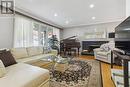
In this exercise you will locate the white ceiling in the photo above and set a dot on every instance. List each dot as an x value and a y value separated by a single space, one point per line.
77 12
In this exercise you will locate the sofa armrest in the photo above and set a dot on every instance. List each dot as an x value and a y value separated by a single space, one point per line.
109 52
54 52
97 49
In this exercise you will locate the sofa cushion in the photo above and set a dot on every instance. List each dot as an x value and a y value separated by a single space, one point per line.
40 49
118 72
32 51
2 69
7 58
33 59
24 75
119 81
117 76
19 52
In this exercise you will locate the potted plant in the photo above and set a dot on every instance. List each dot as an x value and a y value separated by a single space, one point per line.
54 43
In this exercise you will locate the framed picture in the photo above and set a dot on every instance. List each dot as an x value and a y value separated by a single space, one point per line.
7 7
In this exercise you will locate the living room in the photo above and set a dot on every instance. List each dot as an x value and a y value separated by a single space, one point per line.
83 43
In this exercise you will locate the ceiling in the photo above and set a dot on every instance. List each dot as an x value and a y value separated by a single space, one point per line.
70 13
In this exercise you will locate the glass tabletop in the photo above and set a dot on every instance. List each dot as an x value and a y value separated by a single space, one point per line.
56 59
49 58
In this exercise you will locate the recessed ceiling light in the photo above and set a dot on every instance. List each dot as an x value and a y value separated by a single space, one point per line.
91 5
67 22
93 18
55 15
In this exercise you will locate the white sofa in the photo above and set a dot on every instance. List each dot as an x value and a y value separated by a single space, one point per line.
102 55
32 55
104 52
23 74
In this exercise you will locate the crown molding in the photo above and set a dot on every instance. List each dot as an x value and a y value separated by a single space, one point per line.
35 17
84 25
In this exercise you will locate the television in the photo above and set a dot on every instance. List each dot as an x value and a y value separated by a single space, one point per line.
122 31
122 36
111 35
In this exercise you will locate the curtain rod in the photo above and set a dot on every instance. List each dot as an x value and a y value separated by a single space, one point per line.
36 19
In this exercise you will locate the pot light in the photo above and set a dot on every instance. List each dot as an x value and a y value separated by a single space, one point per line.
93 18
55 15
91 5
67 22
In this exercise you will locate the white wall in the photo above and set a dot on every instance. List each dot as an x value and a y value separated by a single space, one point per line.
6 32
127 8
80 31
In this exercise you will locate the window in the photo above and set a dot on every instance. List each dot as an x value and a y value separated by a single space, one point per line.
29 32
43 35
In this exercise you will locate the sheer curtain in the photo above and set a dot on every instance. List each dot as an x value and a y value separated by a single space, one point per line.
43 34
28 32
23 32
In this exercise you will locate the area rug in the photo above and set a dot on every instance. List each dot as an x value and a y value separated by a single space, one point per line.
80 73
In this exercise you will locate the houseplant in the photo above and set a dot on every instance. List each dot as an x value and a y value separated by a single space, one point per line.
54 43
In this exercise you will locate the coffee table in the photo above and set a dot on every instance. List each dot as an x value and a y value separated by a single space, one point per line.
48 62
61 64
56 63
49 58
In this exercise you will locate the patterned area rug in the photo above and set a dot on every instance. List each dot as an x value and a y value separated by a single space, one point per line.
80 73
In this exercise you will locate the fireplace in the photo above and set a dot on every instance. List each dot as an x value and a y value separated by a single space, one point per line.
88 46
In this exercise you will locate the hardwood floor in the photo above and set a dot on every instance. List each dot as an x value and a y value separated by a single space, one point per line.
106 72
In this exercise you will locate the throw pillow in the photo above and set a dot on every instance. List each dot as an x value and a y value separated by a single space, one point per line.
2 69
7 58
119 51
105 47
4 50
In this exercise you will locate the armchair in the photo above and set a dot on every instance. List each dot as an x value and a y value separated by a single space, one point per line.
102 55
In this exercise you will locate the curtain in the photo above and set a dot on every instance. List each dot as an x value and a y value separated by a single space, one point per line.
28 32
23 32
43 35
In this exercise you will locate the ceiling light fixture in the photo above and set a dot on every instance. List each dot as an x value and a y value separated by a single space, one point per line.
93 18
55 15
91 5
